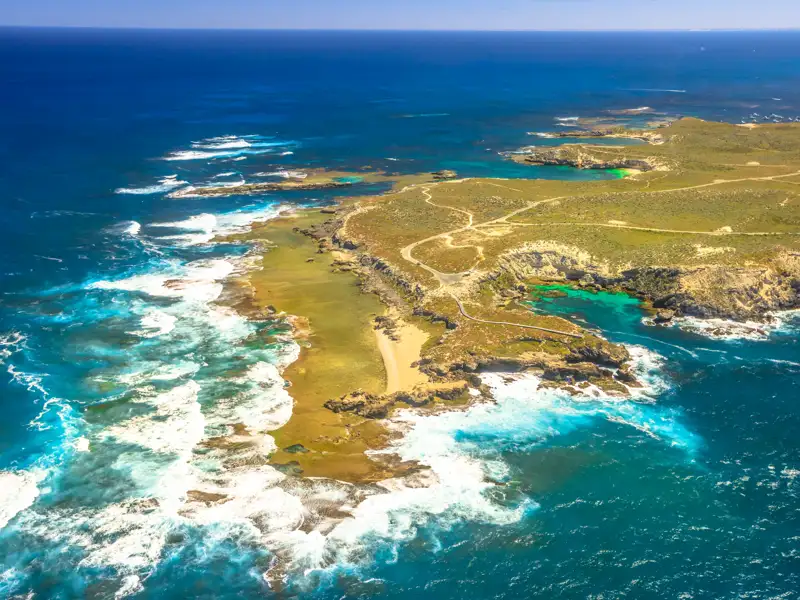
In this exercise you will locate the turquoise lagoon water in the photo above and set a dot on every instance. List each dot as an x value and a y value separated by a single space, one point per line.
121 361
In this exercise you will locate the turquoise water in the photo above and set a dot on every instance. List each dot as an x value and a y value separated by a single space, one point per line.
124 367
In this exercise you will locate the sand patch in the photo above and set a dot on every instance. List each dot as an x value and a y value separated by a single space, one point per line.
703 251
400 349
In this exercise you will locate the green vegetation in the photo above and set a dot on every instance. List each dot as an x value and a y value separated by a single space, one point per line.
711 228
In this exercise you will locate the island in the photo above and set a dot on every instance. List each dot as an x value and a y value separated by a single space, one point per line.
403 299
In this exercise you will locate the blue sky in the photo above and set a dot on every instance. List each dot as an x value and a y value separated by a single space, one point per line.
407 14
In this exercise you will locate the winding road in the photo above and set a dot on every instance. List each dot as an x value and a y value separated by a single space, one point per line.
449 279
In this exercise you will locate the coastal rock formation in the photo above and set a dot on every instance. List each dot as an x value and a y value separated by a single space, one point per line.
550 260
732 293
374 406
581 158
455 259
739 293
256 188
444 175
645 135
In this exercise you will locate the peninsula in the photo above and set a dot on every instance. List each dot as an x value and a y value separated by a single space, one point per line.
402 299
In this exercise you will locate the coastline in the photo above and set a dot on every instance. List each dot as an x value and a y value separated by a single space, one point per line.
156 336
411 322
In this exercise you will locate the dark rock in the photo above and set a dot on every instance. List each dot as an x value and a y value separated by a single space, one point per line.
450 394
664 316
444 174
474 381
362 404
297 449
599 352
573 373
290 468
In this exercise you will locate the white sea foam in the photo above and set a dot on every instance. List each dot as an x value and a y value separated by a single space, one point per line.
10 343
33 382
156 323
567 119
661 90
285 174
228 147
463 453
157 371
177 428
224 145
264 406
165 184
18 491
724 329
232 141
196 282
206 227
204 222
132 228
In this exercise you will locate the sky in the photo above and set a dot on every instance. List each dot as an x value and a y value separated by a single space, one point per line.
406 14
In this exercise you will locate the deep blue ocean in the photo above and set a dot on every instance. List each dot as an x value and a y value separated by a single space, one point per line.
119 358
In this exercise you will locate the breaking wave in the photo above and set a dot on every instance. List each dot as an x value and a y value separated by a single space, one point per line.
776 323
18 491
165 184
230 147
203 228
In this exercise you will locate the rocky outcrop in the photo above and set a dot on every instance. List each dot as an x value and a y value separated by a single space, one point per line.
664 316
579 158
256 188
737 293
598 352
444 175
651 137
551 260
591 361
728 292
374 406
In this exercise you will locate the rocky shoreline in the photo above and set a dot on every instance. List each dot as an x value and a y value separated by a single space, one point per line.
749 294
706 292
257 188
649 136
581 158
585 362
453 259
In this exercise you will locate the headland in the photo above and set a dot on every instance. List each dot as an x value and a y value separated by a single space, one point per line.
403 299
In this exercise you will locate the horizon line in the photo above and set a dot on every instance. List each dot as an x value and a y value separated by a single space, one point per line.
391 30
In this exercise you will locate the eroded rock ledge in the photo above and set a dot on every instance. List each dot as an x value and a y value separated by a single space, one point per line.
727 292
580 157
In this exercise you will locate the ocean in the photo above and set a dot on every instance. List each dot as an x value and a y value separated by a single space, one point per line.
119 358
